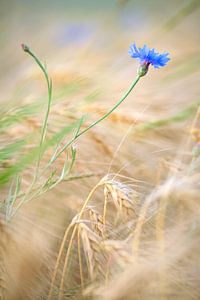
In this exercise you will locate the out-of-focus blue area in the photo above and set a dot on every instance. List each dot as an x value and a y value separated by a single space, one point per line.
75 33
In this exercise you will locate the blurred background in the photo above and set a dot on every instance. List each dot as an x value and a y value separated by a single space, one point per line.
83 36
84 45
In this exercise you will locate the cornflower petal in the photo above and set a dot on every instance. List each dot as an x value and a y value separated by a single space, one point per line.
147 56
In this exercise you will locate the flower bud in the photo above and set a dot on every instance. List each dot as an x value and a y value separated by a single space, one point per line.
143 69
25 48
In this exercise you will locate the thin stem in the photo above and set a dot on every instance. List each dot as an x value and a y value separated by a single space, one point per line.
58 261
99 120
80 259
44 127
49 87
114 107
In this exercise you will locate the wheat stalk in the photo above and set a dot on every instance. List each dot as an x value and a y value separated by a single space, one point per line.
72 238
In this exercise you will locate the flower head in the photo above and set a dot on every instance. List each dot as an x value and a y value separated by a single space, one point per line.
148 57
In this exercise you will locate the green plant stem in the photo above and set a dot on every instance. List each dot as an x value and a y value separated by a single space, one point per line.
99 120
49 87
44 126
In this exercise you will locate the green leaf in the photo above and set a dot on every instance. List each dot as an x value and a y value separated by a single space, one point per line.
10 150
28 158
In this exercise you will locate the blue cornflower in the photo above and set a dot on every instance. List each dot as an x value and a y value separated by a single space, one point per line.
148 57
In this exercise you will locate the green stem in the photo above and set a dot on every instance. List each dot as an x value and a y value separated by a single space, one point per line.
44 127
101 119
49 87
